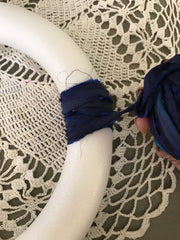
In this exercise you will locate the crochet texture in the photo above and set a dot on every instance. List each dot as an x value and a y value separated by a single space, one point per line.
123 40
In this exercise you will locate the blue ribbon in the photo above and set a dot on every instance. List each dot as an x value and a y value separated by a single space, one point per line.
160 100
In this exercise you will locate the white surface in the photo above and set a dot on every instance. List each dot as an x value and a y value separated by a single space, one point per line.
144 42
44 42
75 201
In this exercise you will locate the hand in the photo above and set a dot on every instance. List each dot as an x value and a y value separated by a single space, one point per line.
143 125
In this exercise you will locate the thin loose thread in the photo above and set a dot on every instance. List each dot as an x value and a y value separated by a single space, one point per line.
21 86
76 70
28 82
68 76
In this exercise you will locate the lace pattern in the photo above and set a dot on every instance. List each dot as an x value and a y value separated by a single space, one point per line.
123 40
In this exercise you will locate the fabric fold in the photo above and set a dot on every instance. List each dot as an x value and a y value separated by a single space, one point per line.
160 101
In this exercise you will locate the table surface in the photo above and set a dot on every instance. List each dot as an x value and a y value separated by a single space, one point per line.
167 225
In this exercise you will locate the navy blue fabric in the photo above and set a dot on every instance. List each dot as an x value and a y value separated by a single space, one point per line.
87 107
160 100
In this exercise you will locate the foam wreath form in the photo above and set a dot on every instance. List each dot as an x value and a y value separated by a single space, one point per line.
76 199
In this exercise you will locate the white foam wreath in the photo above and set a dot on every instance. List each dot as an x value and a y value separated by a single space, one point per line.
75 201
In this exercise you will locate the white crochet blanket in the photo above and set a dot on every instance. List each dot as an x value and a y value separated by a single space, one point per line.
123 40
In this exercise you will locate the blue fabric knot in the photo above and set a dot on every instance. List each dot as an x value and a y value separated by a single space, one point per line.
87 107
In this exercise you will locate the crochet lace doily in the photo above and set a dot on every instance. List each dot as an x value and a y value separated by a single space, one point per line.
123 39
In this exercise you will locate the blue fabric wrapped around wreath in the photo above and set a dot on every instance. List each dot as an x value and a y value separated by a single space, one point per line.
87 107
